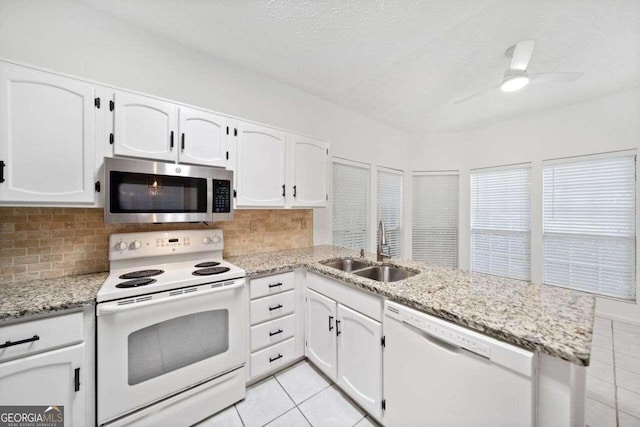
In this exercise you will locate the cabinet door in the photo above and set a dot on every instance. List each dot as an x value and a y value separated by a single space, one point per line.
144 127
261 166
47 379
47 137
308 172
360 358
321 332
202 138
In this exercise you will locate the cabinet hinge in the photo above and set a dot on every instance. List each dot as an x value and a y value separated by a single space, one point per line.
306 343
97 186
384 404
326 197
235 194
383 341
227 155
327 151
111 138
112 105
235 131
76 379
227 130
96 102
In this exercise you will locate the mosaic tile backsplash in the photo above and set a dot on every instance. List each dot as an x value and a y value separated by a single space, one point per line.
39 243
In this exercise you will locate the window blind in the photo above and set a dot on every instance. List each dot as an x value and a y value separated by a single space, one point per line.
589 209
350 199
435 219
501 222
390 187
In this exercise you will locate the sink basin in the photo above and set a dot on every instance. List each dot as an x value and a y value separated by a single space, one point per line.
385 273
347 264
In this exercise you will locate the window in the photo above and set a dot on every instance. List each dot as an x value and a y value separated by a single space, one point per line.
390 187
435 218
589 207
500 222
350 199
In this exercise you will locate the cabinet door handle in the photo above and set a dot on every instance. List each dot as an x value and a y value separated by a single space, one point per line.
331 323
284 191
2 165
275 285
76 379
279 331
24 341
272 359
338 332
295 190
182 142
275 307
171 141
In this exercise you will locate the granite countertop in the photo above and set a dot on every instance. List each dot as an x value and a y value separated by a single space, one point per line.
40 297
548 319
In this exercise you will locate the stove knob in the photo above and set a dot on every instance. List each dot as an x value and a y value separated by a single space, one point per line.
206 240
135 244
121 246
216 239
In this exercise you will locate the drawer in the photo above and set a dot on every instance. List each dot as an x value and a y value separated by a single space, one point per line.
272 357
273 332
272 307
263 286
41 335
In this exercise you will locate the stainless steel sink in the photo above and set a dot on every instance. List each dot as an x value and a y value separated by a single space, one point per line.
385 273
346 264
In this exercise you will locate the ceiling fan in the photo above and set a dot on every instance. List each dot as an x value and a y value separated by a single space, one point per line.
516 77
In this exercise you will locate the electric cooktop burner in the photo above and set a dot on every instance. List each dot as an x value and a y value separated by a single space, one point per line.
135 283
207 264
140 274
210 271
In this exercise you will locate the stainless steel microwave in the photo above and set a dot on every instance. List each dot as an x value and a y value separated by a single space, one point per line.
153 192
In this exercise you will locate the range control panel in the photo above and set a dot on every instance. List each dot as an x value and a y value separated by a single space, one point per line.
155 243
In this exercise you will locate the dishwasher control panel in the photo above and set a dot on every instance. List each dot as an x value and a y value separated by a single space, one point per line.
440 329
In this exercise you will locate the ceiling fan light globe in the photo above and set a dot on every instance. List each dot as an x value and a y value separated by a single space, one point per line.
515 83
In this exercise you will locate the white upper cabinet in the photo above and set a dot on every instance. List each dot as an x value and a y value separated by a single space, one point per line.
145 127
308 171
261 170
47 138
321 332
202 138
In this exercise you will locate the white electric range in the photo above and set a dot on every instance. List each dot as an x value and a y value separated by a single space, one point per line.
171 329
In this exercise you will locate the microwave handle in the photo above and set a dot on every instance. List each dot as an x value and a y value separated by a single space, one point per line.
113 309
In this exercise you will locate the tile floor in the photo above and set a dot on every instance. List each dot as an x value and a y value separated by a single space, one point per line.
613 378
298 396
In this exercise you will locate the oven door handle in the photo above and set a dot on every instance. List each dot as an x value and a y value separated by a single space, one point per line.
113 309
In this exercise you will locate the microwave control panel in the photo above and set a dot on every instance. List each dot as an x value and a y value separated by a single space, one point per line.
221 196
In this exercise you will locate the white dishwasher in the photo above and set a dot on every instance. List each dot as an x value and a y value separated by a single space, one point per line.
443 375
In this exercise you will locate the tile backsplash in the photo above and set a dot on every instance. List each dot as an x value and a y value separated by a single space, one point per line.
40 243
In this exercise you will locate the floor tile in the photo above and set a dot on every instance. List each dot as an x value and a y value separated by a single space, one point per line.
263 403
632 348
331 409
600 370
628 363
628 380
599 415
626 420
227 418
293 418
366 422
301 382
629 402
601 391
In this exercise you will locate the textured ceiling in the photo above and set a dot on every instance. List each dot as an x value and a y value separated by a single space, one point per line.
405 62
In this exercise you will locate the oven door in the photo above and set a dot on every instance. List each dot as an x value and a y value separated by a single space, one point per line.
153 346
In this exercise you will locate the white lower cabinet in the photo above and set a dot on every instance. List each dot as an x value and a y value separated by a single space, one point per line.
320 334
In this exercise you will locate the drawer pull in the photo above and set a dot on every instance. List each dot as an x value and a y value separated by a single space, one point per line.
331 323
273 359
275 285
275 307
279 331
12 343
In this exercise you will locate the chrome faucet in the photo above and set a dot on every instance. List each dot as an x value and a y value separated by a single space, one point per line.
383 248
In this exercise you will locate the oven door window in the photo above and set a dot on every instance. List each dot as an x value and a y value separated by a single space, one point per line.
175 343
149 193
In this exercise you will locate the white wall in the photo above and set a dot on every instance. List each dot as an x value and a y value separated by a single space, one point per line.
71 38
605 124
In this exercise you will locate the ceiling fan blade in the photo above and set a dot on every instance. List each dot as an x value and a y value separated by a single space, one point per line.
555 77
477 94
522 55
